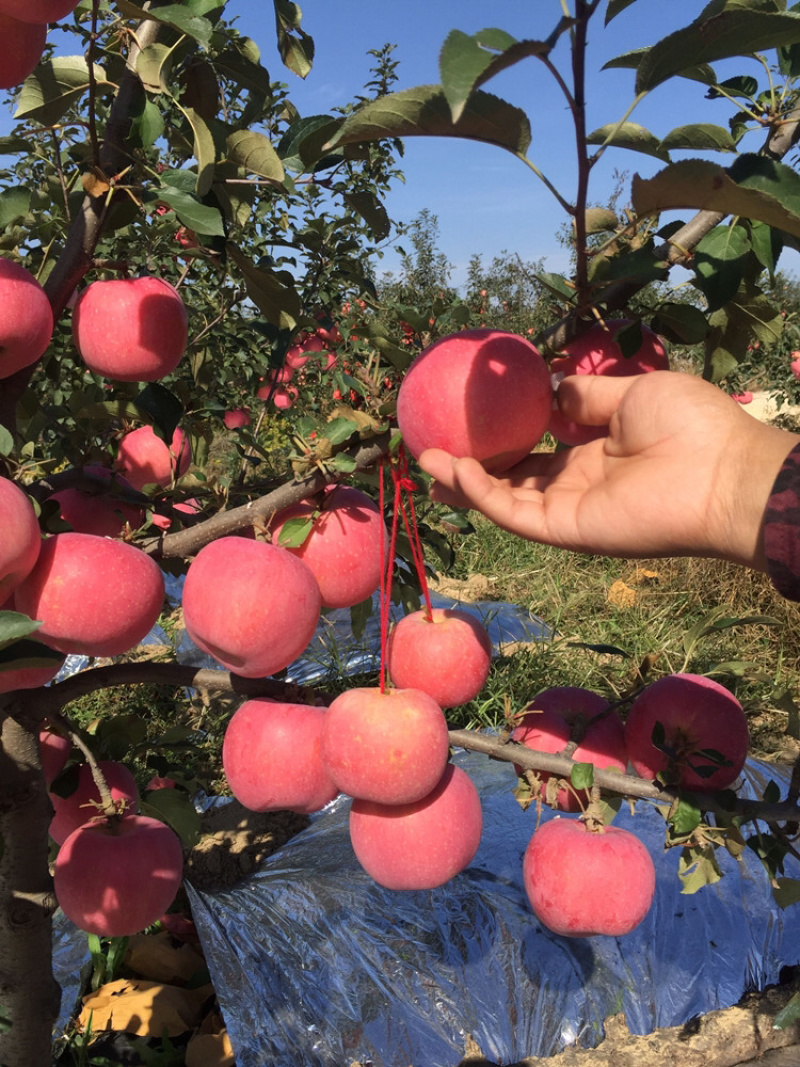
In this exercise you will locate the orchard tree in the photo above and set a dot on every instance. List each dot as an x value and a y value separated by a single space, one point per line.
157 160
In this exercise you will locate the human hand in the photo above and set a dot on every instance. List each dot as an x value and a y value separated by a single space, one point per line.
684 470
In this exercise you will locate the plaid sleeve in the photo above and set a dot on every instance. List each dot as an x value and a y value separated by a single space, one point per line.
782 528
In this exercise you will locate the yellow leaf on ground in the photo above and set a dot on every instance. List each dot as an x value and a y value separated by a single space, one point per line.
621 595
154 956
210 1050
146 1009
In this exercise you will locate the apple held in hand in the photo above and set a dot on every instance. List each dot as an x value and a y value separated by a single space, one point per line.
251 605
597 352
420 845
702 737
146 459
481 393
115 878
345 546
93 596
603 736
447 655
26 319
272 757
580 882
20 538
390 747
82 805
130 329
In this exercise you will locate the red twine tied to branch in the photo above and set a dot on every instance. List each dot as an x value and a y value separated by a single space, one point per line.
402 506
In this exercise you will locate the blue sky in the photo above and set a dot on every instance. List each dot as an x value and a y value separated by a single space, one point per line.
486 200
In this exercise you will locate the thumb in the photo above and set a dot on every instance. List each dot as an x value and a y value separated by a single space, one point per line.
591 399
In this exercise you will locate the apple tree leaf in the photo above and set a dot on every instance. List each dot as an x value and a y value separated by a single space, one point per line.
295 531
54 86
699 137
615 7
294 44
425 112
582 775
682 324
698 867
629 135
14 625
254 152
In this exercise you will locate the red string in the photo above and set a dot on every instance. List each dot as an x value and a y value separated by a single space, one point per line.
409 513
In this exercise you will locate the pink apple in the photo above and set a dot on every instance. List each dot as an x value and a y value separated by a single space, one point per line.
130 329
423 844
26 319
481 393
581 883
284 397
794 366
272 757
98 512
390 747
695 714
146 459
39 11
81 806
236 418
346 546
251 605
28 677
21 538
603 741
93 596
188 507
446 655
157 782
54 750
597 352
114 879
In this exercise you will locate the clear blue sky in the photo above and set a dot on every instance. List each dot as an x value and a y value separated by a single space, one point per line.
486 200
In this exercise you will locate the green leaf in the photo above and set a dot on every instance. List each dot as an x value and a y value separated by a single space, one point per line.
615 7
147 122
161 407
302 145
175 808
581 775
424 112
342 462
629 135
14 146
55 86
767 245
725 346
786 893
191 213
466 62
14 205
680 323
558 285
294 532
699 137
204 150
601 220
278 302
719 261
294 44
742 85
698 867
6 441
753 187
254 152
604 650
14 625
339 430
685 818
735 31
372 211
702 72
360 615
179 16
154 66
790 1012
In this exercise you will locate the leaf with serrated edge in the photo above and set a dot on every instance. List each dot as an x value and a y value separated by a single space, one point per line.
279 303
701 136
254 152
55 85
424 112
702 185
629 135
615 7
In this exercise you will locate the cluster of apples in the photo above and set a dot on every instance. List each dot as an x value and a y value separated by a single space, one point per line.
684 730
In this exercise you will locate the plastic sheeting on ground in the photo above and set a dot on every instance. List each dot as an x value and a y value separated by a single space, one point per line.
315 964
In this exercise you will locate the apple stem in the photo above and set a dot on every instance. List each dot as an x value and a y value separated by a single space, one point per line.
108 807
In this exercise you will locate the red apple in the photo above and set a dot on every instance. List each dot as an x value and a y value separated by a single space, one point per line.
28 677
98 512
597 352
146 459
157 782
236 418
26 319
54 750
21 538
695 714
603 742
115 879
191 506
446 655
581 883
481 393
390 747
251 605
39 11
81 806
346 545
272 757
420 845
130 329
93 596
284 397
